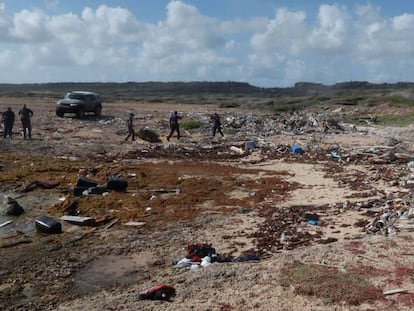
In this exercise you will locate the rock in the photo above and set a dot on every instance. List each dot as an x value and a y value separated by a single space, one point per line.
13 208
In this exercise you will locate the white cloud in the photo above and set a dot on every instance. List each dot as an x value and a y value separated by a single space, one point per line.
403 22
339 43
189 29
331 30
30 26
67 28
284 33
111 25
254 24
382 37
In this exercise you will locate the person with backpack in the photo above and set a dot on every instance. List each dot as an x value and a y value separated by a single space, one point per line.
25 115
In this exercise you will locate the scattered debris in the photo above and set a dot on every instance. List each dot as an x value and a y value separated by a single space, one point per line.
297 150
84 182
149 135
159 292
135 223
4 224
395 291
45 224
112 223
13 207
162 190
103 219
40 183
117 184
80 221
8 244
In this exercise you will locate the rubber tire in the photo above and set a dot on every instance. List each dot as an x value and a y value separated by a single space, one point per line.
81 113
60 114
98 111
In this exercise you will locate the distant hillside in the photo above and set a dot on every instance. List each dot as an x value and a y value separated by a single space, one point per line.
129 90
150 90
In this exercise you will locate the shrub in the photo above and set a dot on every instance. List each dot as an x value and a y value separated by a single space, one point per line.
229 105
191 124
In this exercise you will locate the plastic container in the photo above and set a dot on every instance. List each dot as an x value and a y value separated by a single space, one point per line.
117 183
78 191
86 182
45 224
249 145
295 149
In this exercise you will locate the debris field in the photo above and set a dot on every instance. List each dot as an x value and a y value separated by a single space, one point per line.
345 196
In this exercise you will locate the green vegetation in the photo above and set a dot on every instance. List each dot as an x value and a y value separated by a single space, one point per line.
329 284
191 124
400 101
396 120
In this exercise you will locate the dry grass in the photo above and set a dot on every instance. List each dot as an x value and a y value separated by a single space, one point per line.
319 281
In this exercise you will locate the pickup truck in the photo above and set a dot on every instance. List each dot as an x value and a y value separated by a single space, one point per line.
79 103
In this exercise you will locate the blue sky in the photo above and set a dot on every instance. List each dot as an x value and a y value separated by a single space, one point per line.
266 43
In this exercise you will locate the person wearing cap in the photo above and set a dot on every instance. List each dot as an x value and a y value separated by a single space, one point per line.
130 125
25 115
8 121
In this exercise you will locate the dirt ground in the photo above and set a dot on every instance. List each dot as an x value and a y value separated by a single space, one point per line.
252 207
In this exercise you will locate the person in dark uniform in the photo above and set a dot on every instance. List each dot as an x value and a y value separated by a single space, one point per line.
216 124
25 115
130 125
8 121
174 125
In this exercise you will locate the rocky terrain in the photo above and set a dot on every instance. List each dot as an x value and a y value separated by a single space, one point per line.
315 214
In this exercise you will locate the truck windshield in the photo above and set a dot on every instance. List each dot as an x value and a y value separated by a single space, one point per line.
75 96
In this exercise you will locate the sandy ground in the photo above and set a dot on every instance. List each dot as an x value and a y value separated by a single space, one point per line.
237 203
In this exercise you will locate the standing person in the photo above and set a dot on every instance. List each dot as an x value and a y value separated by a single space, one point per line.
8 120
25 115
130 125
174 125
217 124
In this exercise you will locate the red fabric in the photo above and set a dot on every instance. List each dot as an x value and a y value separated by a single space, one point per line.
195 259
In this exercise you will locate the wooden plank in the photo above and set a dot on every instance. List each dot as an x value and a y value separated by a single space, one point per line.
135 224
369 258
113 222
395 291
77 220
14 243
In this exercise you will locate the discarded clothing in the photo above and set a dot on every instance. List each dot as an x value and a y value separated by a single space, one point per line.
159 292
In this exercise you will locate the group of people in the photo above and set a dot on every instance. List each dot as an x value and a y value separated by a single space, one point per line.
174 125
8 118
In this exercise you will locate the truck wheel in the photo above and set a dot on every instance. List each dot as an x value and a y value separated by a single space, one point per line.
59 114
81 113
98 111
